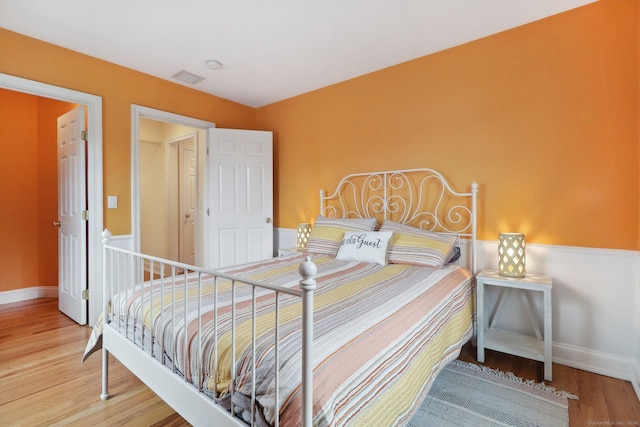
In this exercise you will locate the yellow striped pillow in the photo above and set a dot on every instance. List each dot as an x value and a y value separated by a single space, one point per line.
410 245
327 233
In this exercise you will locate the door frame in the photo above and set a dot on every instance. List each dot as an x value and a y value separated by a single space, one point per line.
93 104
137 112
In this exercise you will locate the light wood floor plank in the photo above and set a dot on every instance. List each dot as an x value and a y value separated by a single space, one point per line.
43 382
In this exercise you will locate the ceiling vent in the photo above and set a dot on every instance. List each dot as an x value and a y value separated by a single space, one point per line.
187 77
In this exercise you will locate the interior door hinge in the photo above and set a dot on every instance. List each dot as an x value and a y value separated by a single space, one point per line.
85 294
83 135
208 212
85 215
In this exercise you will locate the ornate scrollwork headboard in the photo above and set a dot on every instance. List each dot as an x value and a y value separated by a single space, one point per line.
418 197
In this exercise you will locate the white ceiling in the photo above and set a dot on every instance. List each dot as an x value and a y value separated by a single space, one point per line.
270 49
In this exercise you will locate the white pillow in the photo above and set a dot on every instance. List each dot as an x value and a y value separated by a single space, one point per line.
365 246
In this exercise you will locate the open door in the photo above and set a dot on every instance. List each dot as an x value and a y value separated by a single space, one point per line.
239 194
72 202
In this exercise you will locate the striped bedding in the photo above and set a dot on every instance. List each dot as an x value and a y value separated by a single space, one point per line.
381 333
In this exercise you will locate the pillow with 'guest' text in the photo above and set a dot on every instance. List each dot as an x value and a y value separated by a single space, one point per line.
365 246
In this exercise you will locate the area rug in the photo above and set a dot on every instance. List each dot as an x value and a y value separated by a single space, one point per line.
464 394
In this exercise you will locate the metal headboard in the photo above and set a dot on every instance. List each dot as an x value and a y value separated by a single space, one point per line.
418 197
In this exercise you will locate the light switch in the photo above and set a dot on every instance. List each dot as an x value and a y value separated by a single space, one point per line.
112 202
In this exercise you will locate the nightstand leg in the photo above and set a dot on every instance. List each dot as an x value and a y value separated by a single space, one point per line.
548 339
480 320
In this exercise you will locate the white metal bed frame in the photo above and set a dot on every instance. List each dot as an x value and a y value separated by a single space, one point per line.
398 195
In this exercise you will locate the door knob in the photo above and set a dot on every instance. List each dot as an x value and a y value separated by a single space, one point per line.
56 223
187 215
267 220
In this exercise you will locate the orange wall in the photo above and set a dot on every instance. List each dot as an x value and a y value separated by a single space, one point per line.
119 87
544 117
19 190
28 184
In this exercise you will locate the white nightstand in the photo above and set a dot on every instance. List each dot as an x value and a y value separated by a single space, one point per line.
532 347
288 251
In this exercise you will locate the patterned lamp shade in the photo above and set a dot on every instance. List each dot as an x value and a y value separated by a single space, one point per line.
304 231
511 255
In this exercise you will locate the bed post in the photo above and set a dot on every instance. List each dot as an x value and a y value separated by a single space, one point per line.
474 226
308 271
106 238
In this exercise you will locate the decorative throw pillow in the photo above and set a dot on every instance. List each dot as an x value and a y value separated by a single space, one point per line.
454 255
365 246
411 245
327 233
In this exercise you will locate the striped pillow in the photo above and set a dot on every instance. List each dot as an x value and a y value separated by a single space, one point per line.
410 245
327 233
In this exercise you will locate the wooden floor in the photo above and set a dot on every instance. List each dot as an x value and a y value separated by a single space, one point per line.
42 381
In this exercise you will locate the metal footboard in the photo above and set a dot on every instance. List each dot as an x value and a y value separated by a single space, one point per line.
160 284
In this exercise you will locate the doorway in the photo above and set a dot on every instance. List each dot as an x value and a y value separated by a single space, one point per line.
93 105
159 223
236 183
170 189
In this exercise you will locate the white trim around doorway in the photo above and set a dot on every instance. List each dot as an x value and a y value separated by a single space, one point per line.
94 173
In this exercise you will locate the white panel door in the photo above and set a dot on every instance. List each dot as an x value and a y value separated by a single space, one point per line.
188 195
239 197
72 234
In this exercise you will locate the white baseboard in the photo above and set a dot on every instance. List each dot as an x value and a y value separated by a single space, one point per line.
8 297
607 364
635 381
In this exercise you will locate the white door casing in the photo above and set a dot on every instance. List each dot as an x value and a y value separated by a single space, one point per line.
239 181
72 233
94 172
188 201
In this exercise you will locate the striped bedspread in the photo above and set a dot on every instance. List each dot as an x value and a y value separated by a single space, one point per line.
380 336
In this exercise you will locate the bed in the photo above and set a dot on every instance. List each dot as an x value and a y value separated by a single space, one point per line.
350 331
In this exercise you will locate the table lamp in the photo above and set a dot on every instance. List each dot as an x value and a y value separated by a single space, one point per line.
304 231
511 254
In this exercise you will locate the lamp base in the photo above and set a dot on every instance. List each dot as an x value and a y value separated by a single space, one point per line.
512 274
